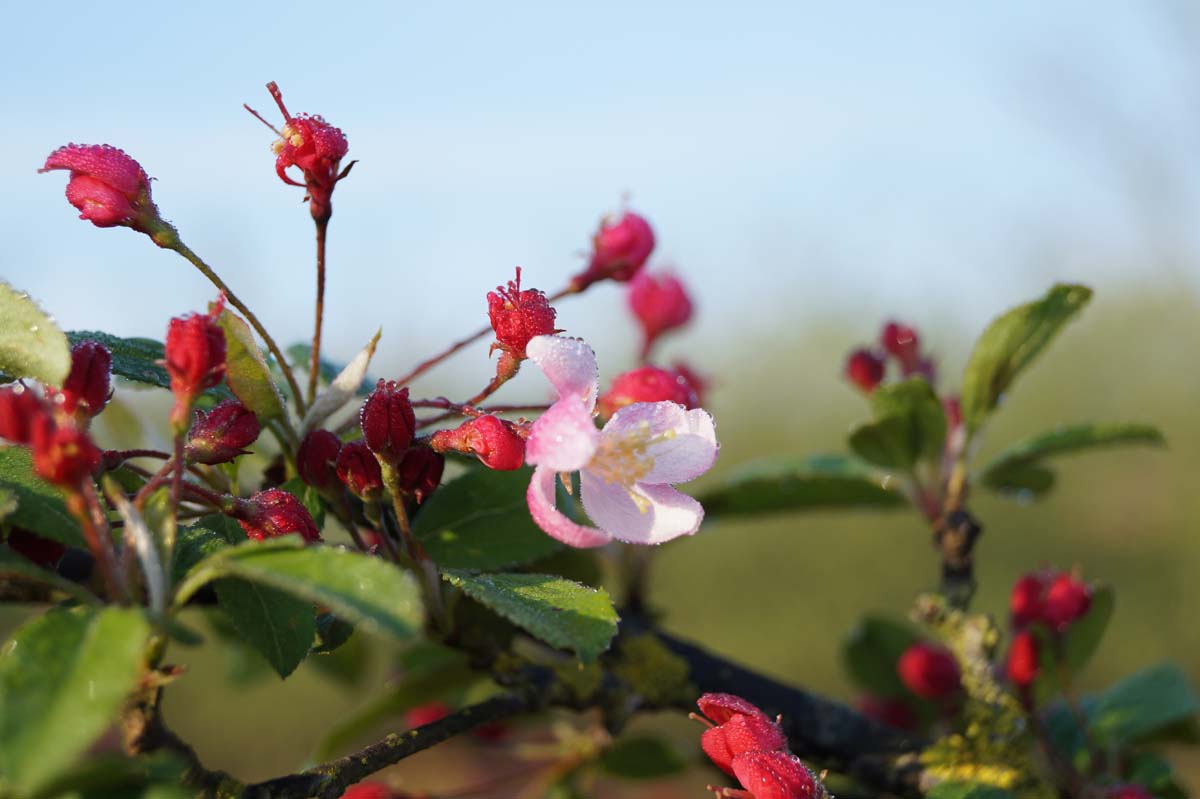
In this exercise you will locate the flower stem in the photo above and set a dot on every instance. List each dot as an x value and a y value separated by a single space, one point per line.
315 363
181 248
84 505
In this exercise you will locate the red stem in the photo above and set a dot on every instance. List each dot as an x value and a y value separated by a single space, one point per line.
314 368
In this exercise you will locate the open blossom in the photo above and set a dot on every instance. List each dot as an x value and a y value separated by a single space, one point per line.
517 316
313 146
107 186
736 727
626 470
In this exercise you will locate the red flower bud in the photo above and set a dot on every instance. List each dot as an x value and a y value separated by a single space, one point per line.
720 708
660 303
388 421
864 369
496 442
776 775
619 249
368 790
62 454
697 382
316 458
316 148
647 384
901 342
1128 791
359 471
195 358
518 316
222 434
892 712
1023 657
1067 599
88 384
108 187
19 407
274 513
427 713
1027 600
743 732
420 472
929 671
34 548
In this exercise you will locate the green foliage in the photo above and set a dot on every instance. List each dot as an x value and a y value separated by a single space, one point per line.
110 776
885 442
560 612
13 566
641 757
1082 638
1020 468
1142 705
774 485
1009 344
870 653
247 372
276 624
63 678
916 403
359 588
481 521
135 359
968 790
31 345
40 507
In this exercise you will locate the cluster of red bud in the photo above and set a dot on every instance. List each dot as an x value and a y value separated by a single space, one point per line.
866 367
748 745
1047 599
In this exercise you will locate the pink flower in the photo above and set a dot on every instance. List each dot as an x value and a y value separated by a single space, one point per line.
626 470
109 188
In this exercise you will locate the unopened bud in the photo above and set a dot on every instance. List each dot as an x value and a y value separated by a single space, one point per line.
494 441
274 513
420 472
89 383
388 421
62 454
359 471
660 303
619 249
929 671
647 384
864 369
222 434
316 458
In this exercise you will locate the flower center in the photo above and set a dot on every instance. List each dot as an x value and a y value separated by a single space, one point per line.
624 459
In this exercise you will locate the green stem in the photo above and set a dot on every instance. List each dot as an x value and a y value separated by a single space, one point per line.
314 368
181 248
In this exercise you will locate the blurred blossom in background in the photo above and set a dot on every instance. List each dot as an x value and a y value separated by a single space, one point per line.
810 169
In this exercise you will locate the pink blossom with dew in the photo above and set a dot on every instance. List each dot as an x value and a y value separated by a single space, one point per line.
626 470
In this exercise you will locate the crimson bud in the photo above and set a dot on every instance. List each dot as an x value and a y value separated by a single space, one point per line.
893 712
388 421
929 671
776 775
1128 791
222 434
19 407
1066 600
1026 602
195 358
427 713
864 369
63 455
368 790
496 442
647 384
901 342
619 249
743 732
316 458
1023 659
420 472
517 316
660 303
274 513
88 384
359 471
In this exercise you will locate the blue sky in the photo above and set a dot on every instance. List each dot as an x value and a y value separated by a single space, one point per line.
798 160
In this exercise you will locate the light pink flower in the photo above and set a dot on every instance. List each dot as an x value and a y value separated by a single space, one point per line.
626 470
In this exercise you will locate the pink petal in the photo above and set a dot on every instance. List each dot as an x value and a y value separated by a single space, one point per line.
540 497
569 364
102 162
688 440
564 438
660 514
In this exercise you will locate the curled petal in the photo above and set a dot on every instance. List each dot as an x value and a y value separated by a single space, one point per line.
98 202
641 513
102 162
547 516
564 438
569 364
683 443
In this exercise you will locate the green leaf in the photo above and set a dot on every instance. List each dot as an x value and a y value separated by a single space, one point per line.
113 776
13 566
560 612
246 370
1082 638
31 345
871 651
135 359
481 521
40 507
914 401
275 624
886 442
194 543
8 504
968 790
63 679
359 588
332 633
641 757
776 485
1009 344
1142 704
1019 467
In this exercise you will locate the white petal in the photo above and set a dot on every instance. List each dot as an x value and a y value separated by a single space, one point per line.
640 514
546 515
569 364
564 438
683 443
343 388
